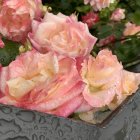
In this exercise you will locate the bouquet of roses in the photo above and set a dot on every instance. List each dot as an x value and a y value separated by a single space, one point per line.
55 63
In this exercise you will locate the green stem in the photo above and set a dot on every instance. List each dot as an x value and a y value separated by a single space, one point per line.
132 64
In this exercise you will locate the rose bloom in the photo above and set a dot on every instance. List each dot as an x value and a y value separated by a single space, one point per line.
131 29
98 5
42 82
130 84
16 17
63 35
26 71
106 81
90 19
118 14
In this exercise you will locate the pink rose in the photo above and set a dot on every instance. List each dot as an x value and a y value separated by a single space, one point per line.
63 35
90 19
118 14
62 96
106 81
102 77
131 29
16 17
28 70
98 5
130 84
43 82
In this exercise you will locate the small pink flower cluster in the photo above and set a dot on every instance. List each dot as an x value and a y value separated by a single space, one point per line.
90 19
118 14
98 5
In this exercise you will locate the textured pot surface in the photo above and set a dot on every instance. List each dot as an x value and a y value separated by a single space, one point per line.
19 124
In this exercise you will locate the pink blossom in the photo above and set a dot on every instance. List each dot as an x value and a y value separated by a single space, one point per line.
99 4
63 35
29 70
131 29
103 78
118 14
130 84
42 82
90 18
106 81
59 94
16 17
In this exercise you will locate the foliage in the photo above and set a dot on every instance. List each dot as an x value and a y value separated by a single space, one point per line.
9 52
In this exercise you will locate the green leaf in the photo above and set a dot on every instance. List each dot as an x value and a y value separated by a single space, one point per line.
105 14
138 2
118 29
9 52
104 31
128 51
83 8
110 28
113 6
135 17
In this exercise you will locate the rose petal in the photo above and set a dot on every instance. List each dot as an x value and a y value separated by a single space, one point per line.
51 104
68 108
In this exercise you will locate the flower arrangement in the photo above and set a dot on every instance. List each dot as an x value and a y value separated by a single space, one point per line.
70 61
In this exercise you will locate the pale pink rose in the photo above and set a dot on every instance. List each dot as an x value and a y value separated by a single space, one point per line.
42 82
63 95
130 84
106 81
131 29
26 72
118 14
63 35
16 17
99 4
102 77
